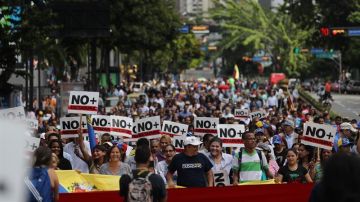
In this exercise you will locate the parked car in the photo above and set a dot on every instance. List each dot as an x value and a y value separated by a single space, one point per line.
353 87
335 87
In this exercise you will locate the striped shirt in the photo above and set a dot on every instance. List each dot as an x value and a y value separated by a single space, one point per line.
251 166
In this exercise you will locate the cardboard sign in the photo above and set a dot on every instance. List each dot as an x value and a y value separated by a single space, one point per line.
259 114
31 143
205 125
149 127
318 135
174 129
32 124
241 113
70 126
121 126
83 102
101 124
221 178
16 113
231 134
178 142
12 155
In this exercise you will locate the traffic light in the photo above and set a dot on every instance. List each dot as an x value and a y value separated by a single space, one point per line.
296 50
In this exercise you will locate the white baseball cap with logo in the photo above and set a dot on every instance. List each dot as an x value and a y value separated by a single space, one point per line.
192 141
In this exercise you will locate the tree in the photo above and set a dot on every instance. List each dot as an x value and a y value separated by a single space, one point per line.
248 26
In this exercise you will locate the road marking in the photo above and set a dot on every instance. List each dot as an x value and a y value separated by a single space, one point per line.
339 103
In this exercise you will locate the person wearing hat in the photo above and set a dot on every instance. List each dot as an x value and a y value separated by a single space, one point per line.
346 131
193 168
266 149
346 146
279 150
289 134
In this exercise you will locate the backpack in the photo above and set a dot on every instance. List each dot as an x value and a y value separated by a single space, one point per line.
140 188
260 157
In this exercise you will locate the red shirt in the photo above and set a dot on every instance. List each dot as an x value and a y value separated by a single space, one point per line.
328 87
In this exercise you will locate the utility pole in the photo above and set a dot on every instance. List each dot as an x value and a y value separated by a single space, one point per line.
340 70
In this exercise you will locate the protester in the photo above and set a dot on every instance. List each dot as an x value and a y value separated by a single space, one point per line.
250 164
316 172
142 184
306 156
162 166
57 148
165 140
293 172
279 150
98 159
43 181
273 166
222 162
206 143
289 134
193 168
114 166
79 149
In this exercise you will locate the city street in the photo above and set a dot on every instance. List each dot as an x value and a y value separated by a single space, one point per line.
345 105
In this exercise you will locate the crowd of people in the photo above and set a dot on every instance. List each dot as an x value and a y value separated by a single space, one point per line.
272 145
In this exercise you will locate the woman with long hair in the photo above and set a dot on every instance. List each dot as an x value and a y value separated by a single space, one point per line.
306 155
98 159
293 172
57 148
115 166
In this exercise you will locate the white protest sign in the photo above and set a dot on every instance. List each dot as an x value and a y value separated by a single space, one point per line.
14 167
231 134
221 178
31 143
83 102
178 142
205 125
149 127
70 126
32 123
16 113
121 126
101 124
241 113
318 135
174 129
259 114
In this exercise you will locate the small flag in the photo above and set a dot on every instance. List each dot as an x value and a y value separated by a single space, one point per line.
236 74
91 133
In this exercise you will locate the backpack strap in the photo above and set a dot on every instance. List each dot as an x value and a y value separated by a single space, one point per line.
261 159
240 158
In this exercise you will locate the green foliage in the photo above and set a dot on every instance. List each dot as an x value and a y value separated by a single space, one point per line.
247 24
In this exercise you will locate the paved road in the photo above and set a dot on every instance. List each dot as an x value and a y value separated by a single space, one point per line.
345 105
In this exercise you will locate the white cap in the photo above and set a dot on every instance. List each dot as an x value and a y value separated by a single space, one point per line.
347 126
192 141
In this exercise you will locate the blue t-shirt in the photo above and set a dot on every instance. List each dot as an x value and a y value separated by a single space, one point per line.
191 170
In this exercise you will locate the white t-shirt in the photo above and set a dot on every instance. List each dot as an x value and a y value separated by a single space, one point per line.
78 163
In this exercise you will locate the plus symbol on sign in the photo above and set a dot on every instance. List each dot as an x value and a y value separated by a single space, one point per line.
20 115
129 125
34 146
182 131
214 125
156 124
83 124
93 100
329 136
239 133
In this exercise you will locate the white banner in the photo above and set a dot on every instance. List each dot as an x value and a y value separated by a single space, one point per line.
174 129
16 113
318 135
221 178
205 125
121 126
178 142
231 134
149 127
31 143
32 124
101 124
70 126
241 113
260 114
83 102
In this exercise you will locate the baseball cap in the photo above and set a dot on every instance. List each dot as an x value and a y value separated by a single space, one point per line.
259 124
277 139
288 123
259 130
192 141
347 126
343 142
